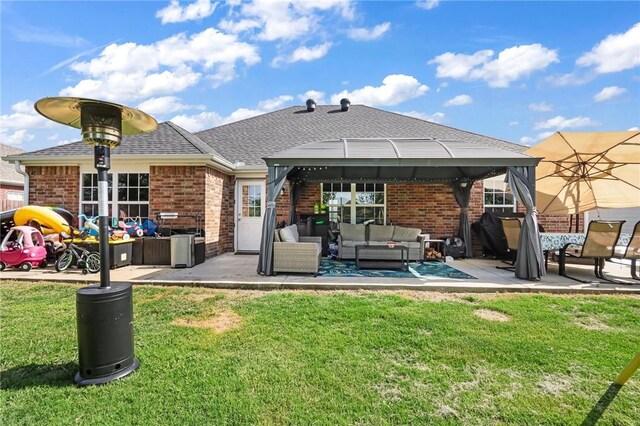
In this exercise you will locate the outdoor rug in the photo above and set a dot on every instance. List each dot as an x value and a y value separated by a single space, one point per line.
429 270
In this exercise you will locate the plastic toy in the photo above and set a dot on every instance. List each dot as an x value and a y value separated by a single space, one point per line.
51 222
132 226
23 248
89 224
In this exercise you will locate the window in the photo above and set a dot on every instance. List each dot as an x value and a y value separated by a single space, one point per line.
251 201
497 196
132 194
355 202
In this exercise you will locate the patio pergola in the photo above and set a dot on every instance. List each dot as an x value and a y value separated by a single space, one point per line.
407 160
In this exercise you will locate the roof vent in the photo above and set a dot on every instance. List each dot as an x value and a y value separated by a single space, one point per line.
344 104
311 105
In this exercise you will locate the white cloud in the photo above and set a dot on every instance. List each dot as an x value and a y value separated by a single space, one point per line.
570 79
609 92
395 89
316 95
67 141
175 13
511 64
274 103
526 140
128 71
364 34
427 4
514 123
164 105
236 27
437 117
209 119
617 52
24 116
16 138
559 122
635 128
304 54
47 36
459 100
541 107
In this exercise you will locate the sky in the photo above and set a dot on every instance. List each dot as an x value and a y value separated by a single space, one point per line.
517 71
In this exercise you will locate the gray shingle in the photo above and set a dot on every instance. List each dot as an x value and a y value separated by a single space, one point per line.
8 172
251 139
168 139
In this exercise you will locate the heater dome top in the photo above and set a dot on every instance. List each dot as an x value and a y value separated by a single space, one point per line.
67 111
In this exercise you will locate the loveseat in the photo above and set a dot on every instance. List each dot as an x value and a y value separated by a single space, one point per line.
295 253
379 235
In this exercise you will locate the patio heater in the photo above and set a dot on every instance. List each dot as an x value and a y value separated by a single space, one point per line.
104 313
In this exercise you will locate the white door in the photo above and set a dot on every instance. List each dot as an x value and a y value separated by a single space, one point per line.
250 205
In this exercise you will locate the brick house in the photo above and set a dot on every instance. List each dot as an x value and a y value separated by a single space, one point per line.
220 175
11 182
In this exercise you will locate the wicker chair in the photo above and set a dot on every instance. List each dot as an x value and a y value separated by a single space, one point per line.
302 257
511 227
599 244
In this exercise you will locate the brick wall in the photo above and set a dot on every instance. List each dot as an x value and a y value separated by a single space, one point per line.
54 186
193 190
430 207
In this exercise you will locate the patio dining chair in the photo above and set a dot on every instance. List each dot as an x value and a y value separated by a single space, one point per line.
599 244
632 251
511 227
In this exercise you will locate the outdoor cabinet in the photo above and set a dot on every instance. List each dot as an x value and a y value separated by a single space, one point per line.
200 251
157 251
119 251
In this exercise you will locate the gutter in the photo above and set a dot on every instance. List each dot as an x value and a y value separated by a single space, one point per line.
25 190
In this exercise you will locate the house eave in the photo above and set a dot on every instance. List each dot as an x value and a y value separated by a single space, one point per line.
214 161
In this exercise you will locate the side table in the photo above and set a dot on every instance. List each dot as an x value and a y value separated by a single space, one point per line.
439 246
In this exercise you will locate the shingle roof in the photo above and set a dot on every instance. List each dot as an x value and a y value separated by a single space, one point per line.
8 172
254 138
167 139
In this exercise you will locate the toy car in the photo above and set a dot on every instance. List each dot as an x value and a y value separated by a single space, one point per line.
23 247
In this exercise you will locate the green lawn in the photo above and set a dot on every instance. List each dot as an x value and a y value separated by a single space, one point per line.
331 358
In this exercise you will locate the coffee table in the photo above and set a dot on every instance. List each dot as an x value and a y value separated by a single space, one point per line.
385 252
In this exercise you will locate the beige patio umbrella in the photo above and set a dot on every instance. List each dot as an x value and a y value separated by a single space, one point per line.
583 171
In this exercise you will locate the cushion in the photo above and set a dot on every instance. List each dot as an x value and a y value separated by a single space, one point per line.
380 232
406 234
353 243
349 231
289 234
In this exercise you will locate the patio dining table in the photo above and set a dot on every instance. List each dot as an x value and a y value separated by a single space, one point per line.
552 241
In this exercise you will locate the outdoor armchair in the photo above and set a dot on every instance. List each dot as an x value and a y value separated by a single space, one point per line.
599 244
301 256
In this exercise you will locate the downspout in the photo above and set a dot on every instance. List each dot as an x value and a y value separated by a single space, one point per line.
25 189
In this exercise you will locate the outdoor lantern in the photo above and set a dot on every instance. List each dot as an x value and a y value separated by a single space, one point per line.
104 313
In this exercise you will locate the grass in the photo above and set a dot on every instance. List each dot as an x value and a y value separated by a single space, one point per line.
330 358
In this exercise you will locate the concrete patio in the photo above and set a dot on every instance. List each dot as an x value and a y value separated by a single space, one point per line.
239 272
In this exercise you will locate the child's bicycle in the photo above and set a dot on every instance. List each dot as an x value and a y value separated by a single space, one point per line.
84 259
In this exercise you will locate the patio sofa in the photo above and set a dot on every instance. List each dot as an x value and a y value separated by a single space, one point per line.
295 253
372 235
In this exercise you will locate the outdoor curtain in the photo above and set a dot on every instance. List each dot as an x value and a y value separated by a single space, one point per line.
277 177
463 196
530 260
295 190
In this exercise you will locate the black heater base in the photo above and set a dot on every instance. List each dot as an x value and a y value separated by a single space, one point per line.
105 334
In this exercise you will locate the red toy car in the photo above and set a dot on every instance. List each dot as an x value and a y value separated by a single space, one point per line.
23 247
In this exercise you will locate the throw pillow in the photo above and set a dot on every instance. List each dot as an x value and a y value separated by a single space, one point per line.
406 234
380 232
352 232
289 234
